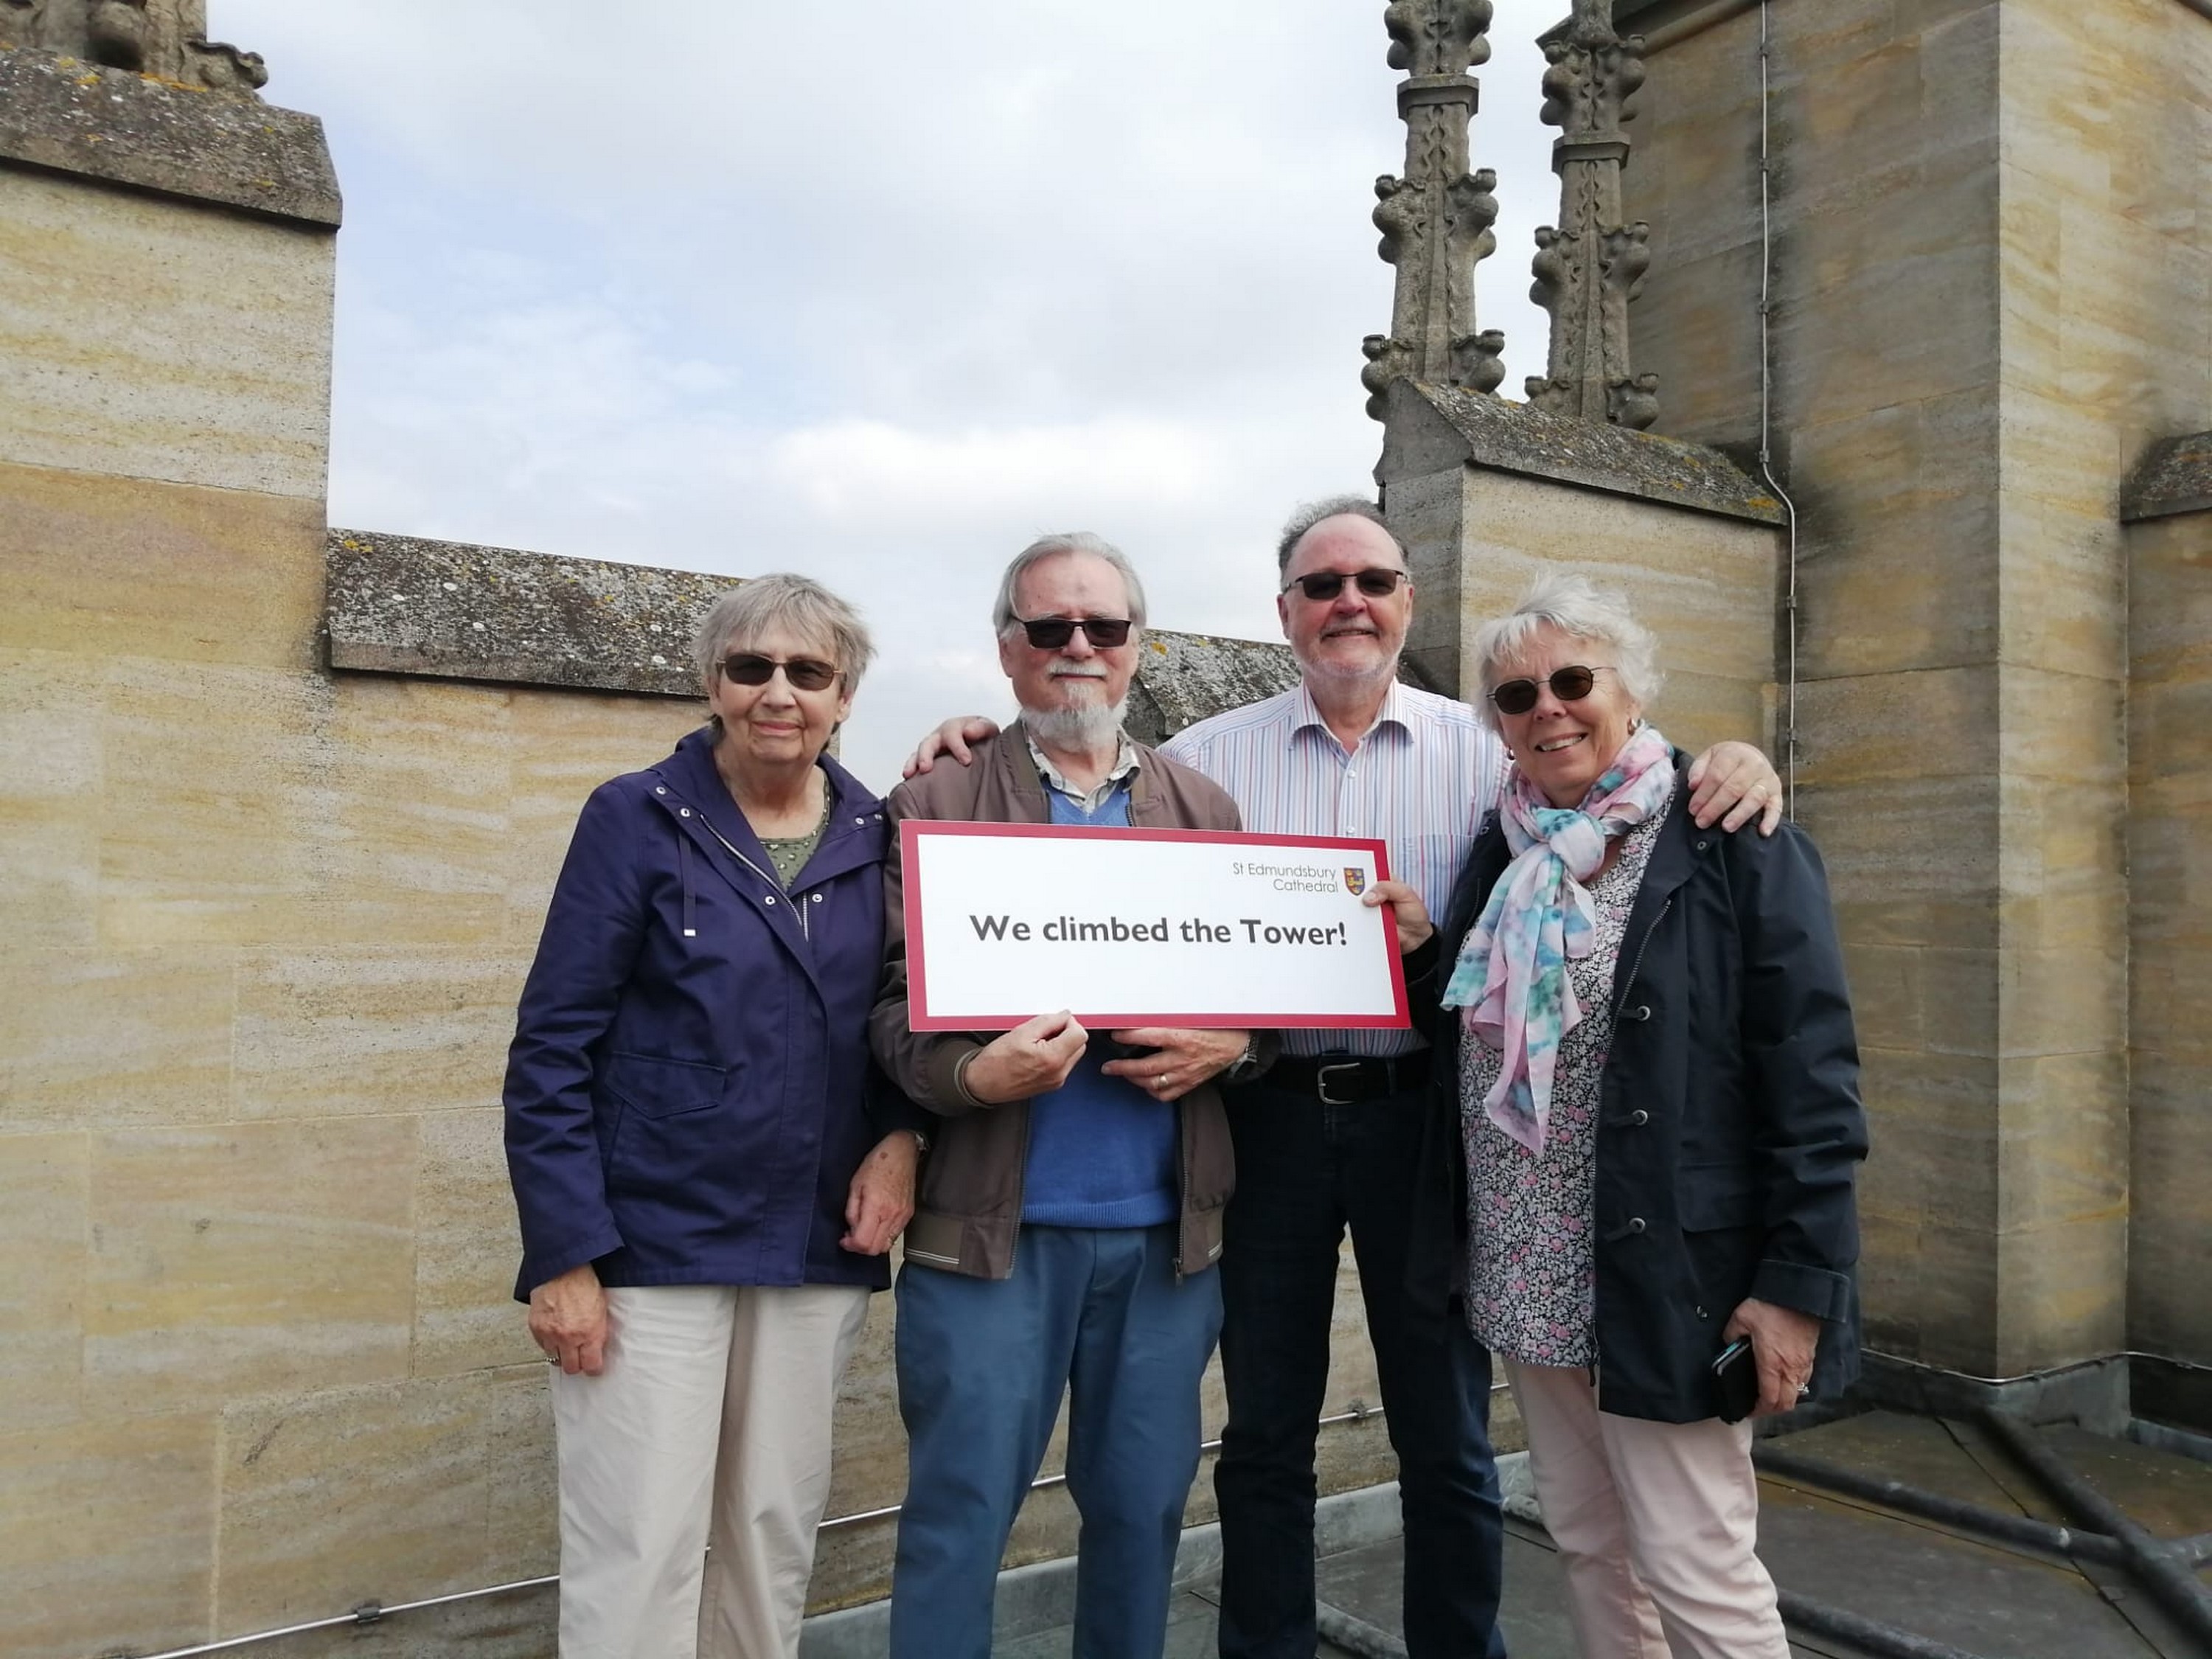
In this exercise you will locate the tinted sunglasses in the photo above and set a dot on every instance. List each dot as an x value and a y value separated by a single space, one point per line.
1569 684
1050 633
804 674
1327 583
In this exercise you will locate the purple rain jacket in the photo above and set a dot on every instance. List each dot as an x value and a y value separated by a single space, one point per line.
689 1092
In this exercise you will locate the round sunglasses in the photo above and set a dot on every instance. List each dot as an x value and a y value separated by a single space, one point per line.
804 674
1051 633
1569 684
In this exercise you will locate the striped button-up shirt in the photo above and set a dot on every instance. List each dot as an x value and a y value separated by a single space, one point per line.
1421 781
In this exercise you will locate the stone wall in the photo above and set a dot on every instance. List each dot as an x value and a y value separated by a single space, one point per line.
266 927
2170 908
1991 286
1487 494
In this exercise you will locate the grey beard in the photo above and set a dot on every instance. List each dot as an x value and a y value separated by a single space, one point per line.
1086 726
1379 675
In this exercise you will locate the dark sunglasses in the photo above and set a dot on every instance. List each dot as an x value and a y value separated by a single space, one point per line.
1327 583
804 674
1569 684
1050 633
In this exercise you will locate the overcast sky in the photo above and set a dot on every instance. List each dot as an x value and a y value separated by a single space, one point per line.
877 292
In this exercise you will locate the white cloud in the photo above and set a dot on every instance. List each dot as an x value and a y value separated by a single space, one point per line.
877 292
869 471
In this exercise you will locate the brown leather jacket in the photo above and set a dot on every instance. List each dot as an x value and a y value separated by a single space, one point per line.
969 1206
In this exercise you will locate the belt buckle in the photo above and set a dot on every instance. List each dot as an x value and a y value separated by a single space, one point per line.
1321 1080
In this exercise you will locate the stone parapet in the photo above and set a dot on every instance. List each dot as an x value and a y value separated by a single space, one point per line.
1433 429
401 605
2176 477
154 134
1183 678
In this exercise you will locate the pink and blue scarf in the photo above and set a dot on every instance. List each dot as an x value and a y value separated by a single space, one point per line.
1512 974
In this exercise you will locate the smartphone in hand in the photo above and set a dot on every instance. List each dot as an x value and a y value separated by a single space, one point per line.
1735 1378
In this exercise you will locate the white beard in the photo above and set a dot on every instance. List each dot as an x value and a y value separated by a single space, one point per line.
1085 727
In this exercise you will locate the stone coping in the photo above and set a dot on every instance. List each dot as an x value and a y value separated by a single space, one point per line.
1183 678
1428 426
73 116
403 605
2176 477
406 604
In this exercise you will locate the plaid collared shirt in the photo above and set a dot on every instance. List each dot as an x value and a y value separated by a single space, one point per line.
1124 766
1421 781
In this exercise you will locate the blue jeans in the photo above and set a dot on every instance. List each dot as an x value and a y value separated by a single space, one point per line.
1304 1173
981 1365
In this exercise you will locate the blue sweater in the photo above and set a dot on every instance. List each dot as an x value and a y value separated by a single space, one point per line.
1102 1150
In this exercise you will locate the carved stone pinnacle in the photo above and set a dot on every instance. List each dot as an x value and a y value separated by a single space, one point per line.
1436 219
165 38
1590 265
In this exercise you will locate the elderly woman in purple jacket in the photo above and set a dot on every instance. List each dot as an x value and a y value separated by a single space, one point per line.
706 1189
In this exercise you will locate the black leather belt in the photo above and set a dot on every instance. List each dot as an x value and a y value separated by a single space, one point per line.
1342 1080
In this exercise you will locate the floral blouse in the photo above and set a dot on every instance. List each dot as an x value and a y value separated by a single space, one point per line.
1531 1268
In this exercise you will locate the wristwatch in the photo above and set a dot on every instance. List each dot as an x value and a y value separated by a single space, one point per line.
921 1139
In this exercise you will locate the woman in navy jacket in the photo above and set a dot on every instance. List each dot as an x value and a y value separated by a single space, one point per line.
1646 1134
706 1197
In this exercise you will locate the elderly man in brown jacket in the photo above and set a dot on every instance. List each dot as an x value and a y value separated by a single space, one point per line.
1071 1197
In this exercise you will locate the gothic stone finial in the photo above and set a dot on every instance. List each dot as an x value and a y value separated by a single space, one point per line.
1590 265
1435 220
166 39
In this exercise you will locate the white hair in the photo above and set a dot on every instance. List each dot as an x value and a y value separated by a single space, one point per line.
799 604
1581 610
1003 621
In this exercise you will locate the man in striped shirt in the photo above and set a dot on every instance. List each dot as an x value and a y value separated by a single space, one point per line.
1330 1137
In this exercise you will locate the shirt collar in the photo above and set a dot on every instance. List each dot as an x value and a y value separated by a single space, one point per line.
1124 768
1304 714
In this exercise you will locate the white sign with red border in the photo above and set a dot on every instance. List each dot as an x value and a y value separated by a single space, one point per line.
1130 927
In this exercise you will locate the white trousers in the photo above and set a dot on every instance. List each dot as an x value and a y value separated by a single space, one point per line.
710 1423
1655 1522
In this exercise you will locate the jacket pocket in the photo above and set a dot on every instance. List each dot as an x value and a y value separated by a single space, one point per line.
1719 1210
1716 1199
664 1088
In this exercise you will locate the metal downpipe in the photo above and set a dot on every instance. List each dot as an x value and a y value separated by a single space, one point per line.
2157 1567
1936 1506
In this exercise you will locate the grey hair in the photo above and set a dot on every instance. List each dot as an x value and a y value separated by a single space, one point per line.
798 604
1581 611
1311 513
1003 620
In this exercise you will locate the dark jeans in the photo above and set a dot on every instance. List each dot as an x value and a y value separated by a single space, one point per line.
1304 1172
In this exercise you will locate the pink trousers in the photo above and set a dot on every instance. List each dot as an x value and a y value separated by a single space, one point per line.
1655 1522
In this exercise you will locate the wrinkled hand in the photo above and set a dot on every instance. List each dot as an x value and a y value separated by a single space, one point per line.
1032 1059
1414 927
953 738
1179 1060
1735 778
881 1199
1783 1341
569 1320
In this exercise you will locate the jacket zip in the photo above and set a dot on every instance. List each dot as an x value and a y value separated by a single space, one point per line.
1620 996
797 907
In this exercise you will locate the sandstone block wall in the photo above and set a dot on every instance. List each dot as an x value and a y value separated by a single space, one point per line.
1990 284
1488 494
266 928
2170 916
